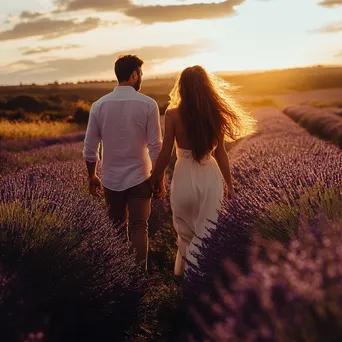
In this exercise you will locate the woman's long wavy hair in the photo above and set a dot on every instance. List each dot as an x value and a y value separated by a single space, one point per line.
208 110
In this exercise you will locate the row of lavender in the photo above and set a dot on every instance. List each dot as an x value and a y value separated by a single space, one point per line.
65 274
19 154
288 289
31 144
12 162
324 123
59 162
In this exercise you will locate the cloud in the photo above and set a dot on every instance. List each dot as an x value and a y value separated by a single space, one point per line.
153 14
23 16
40 50
331 28
62 69
22 62
96 5
49 28
30 15
172 13
330 3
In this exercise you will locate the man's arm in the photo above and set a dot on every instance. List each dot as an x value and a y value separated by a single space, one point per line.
91 151
154 140
91 167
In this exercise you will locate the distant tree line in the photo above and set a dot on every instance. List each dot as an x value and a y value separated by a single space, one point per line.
53 108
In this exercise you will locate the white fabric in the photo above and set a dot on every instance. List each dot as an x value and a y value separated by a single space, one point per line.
128 124
197 192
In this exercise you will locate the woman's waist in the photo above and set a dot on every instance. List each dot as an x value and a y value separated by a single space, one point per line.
188 154
191 168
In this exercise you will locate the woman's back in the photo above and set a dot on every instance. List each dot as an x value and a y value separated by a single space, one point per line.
181 136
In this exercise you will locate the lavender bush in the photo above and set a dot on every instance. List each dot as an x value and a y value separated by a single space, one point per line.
279 172
73 263
19 145
16 161
19 321
291 294
320 122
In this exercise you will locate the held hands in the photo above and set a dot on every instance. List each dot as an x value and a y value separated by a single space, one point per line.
157 187
95 186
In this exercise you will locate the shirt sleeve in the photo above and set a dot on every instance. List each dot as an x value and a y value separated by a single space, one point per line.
92 138
154 140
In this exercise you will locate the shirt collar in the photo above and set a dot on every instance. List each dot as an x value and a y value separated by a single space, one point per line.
121 88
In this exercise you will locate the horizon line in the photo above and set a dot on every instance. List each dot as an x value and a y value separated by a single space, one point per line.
174 74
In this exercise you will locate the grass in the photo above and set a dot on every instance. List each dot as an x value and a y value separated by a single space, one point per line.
33 130
278 215
62 154
320 104
162 310
264 102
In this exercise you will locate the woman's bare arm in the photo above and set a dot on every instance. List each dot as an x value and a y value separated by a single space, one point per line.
164 157
222 159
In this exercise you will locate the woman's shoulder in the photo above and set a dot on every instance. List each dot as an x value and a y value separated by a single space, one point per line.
172 112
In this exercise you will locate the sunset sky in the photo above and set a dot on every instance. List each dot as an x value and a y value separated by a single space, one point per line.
69 40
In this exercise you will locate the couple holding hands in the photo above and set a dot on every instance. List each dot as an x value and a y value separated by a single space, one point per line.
200 117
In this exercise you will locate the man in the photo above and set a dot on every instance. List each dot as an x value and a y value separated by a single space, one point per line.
128 125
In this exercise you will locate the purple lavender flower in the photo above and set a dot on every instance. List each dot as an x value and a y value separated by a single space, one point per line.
280 173
19 145
73 262
289 294
323 123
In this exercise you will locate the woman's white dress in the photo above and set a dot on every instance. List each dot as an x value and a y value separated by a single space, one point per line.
197 191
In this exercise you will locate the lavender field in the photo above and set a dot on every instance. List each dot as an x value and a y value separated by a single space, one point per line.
286 179
325 123
270 271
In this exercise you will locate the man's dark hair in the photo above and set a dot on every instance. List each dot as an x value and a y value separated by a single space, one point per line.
126 65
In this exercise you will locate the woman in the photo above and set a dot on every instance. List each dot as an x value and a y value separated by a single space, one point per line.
200 116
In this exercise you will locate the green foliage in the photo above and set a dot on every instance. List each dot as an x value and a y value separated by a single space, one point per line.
80 113
30 104
280 220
